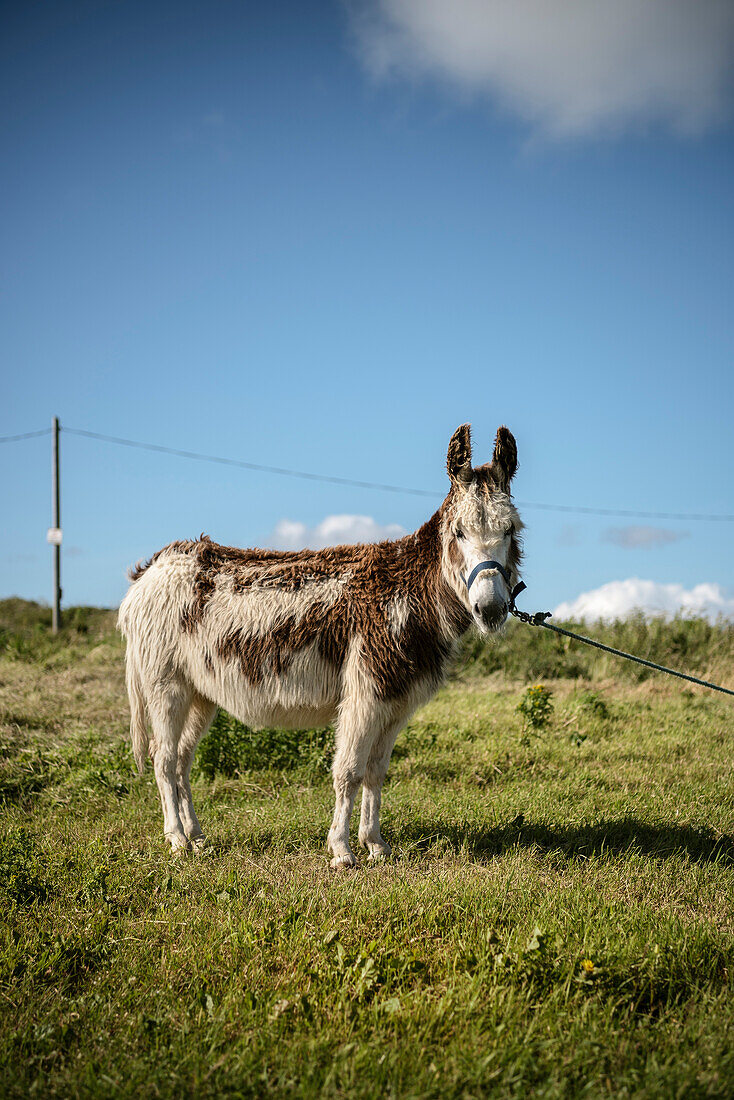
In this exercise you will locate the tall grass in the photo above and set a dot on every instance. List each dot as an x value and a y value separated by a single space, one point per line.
531 653
522 652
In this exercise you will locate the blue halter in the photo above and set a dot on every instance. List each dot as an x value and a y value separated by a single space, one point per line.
499 568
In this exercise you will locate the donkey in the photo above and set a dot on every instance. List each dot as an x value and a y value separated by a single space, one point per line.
356 635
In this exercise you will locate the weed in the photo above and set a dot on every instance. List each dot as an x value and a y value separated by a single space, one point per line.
592 704
536 707
21 879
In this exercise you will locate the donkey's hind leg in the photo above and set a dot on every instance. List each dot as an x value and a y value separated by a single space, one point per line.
198 720
168 706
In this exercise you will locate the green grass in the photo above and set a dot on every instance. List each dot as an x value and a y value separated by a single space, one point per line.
454 970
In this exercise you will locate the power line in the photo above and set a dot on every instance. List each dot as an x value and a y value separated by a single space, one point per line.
354 483
25 435
627 512
253 465
387 488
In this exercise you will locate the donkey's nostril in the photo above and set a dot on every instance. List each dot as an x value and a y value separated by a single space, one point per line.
492 616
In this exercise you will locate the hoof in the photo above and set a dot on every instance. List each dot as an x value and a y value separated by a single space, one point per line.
380 855
199 843
341 863
378 850
178 843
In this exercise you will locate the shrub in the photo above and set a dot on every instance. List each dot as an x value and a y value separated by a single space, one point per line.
231 748
25 629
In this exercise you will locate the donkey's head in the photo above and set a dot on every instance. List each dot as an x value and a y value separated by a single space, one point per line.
481 528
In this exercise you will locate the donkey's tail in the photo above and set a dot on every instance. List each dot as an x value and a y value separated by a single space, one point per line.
138 724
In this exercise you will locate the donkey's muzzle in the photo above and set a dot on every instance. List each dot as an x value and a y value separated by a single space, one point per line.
492 616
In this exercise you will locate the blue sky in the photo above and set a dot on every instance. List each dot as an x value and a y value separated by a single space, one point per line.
322 235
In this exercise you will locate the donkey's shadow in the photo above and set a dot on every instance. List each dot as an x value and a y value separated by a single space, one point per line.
614 836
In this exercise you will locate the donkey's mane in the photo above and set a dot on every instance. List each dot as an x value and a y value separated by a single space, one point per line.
290 569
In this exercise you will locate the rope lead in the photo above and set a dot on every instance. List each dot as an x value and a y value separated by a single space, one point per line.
538 619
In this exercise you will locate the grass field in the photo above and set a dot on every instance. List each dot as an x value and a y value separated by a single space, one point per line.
557 920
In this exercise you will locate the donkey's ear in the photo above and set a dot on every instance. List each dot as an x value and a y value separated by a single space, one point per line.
504 459
458 459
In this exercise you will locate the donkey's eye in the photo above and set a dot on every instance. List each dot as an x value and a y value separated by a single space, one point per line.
459 533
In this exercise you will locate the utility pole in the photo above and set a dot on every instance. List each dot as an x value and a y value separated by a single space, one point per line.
54 533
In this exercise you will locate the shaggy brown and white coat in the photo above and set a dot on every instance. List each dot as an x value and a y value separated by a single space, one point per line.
356 635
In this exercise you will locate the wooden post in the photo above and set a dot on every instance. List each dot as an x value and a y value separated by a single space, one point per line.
56 608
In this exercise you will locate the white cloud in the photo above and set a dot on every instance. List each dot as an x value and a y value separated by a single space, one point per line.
618 599
642 538
332 531
569 67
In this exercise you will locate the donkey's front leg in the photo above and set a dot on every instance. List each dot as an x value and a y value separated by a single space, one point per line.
370 836
345 787
353 742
